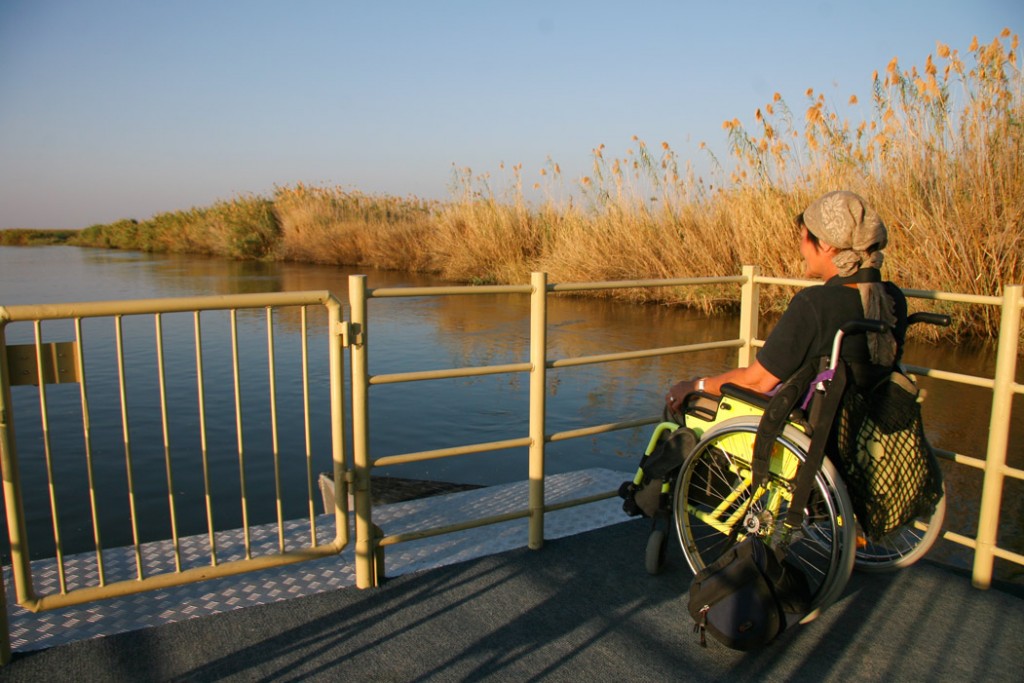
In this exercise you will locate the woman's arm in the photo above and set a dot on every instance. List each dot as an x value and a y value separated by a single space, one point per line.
752 377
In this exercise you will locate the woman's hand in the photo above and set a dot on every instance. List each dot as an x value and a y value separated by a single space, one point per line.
676 396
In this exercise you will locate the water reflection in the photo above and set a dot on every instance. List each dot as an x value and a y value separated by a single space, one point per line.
406 335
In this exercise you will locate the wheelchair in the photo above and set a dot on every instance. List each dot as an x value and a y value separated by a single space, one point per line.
711 501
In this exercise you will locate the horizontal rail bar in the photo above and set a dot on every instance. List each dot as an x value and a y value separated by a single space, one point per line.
785 281
960 539
645 353
950 376
392 292
1008 555
930 294
576 502
972 543
405 458
959 458
394 378
601 429
408 536
471 290
93 309
420 456
934 295
629 284
452 528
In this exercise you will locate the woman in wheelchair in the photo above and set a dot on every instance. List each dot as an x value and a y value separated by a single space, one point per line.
714 496
841 241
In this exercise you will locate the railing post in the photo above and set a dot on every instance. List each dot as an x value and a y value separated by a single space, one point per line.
12 495
336 324
750 295
366 574
998 436
538 396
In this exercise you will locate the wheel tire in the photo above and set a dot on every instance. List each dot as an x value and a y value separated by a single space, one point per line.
824 549
902 547
654 559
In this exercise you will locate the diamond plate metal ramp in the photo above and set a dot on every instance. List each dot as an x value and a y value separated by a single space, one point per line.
46 629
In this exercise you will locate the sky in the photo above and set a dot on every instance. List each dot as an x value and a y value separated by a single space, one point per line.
125 109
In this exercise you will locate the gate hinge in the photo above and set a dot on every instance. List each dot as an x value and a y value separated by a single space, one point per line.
351 334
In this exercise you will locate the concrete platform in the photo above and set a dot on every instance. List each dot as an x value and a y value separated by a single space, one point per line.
580 608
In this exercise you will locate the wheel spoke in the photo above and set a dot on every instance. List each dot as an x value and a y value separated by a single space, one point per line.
712 492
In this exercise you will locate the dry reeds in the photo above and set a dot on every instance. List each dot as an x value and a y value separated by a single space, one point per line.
940 156
330 225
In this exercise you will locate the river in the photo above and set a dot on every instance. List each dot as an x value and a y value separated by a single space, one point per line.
418 334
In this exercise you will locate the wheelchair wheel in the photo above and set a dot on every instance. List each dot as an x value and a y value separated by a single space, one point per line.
903 547
654 558
712 492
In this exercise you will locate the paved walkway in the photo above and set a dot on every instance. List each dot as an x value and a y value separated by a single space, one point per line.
582 608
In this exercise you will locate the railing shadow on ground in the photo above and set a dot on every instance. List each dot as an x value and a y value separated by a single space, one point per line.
583 609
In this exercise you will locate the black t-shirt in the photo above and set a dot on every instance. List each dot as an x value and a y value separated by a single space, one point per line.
808 327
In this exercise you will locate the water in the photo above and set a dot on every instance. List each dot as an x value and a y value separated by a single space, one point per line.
406 335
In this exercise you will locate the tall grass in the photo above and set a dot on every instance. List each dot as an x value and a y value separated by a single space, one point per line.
242 228
26 237
330 225
939 152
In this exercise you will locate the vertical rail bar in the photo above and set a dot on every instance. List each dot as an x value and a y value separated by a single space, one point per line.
201 388
272 370
16 520
335 339
87 437
999 436
538 398
161 377
13 502
48 457
303 331
366 573
750 306
240 433
122 381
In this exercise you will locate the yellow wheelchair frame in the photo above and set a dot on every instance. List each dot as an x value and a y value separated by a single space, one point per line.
729 510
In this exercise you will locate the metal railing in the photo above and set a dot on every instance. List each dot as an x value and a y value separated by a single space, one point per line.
49 361
41 363
370 540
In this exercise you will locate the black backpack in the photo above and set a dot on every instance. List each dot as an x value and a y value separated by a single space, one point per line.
747 596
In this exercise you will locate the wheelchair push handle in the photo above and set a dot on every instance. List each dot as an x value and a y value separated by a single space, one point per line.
940 319
857 326
877 326
852 327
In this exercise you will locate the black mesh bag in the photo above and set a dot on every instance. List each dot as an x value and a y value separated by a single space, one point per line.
890 470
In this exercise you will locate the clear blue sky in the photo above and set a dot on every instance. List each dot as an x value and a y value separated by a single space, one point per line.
125 109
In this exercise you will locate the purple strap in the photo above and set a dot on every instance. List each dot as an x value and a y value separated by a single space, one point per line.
824 376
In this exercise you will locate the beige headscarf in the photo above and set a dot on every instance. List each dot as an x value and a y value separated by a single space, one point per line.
845 221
